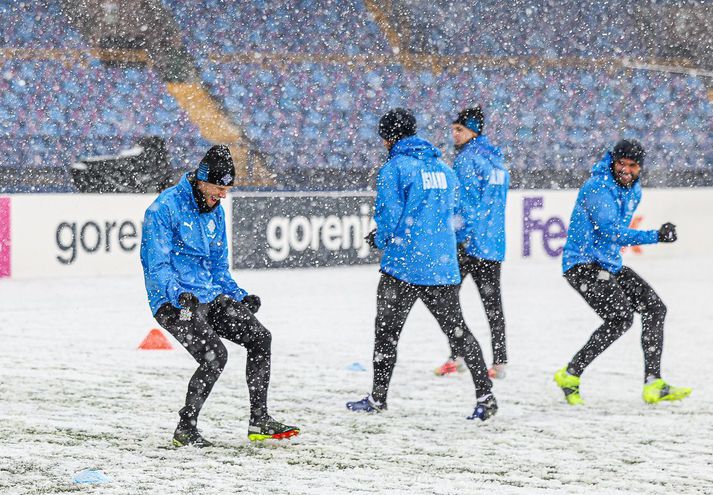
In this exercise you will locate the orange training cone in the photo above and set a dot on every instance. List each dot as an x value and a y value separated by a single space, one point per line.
155 341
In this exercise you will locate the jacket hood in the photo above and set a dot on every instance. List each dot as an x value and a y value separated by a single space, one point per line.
482 144
414 146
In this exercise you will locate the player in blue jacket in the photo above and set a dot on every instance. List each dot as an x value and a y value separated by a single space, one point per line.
184 253
592 265
416 199
484 184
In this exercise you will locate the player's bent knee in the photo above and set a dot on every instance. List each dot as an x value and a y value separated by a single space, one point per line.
657 308
260 339
462 339
217 357
624 321
265 338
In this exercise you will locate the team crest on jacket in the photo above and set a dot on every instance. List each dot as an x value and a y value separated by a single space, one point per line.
211 226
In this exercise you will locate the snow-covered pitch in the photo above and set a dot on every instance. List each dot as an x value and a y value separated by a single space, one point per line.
75 393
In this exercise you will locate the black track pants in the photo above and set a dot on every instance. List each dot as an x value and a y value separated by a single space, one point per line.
616 298
486 275
201 338
394 301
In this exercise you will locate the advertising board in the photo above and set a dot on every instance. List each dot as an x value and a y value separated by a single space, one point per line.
49 235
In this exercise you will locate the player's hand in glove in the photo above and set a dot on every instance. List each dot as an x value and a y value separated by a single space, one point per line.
252 302
371 239
224 301
189 304
667 233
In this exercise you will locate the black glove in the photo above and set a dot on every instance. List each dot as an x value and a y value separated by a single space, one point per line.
188 301
252 302
371 239
223 301
667 233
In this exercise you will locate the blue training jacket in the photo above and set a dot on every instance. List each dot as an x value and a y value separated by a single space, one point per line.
416 200
183 250
599 225
484 184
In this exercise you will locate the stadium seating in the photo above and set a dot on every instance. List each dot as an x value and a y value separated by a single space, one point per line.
321 114
50 113
36 24
539 28
283 26
324 115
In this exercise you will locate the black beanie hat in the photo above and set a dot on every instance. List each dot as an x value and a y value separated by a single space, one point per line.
472 118
217 167
629 148
396 124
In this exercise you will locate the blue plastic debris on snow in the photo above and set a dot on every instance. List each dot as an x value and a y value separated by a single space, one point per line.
91 476
356 367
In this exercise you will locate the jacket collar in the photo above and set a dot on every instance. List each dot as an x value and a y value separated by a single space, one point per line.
480 142
189 187
414 146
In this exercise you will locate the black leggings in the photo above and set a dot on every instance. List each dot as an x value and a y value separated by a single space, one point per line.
201 336
486 275
616 298
394 301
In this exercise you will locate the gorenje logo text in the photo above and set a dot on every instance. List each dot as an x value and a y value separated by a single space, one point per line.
92 236
286 234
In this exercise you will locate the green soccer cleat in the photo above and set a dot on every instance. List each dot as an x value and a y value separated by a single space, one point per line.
189 436
659 390
267 428
570 386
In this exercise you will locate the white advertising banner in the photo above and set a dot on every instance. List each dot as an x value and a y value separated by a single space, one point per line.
87 235
537 222
690 209
55 235
76 234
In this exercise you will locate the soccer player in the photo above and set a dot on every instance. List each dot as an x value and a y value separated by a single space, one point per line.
416 199
184 252
484 184
592 265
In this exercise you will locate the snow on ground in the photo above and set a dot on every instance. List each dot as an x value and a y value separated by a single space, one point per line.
75 393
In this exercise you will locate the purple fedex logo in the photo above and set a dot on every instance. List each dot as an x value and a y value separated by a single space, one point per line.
552 229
